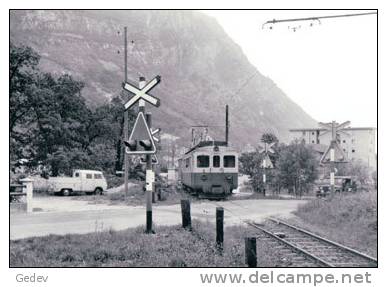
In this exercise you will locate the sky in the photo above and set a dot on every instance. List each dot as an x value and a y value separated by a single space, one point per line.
329 68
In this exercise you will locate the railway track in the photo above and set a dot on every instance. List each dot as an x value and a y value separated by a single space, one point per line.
308 249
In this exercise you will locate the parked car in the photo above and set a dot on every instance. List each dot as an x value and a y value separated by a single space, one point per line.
342 184
82 181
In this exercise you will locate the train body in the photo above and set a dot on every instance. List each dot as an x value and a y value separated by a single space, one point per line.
209 169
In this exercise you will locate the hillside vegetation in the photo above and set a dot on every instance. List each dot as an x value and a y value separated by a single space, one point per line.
199 64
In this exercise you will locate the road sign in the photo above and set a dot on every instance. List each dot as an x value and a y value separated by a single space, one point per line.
266 162
141 139
267 148
334 153
154 132
142 93
149 179
334 128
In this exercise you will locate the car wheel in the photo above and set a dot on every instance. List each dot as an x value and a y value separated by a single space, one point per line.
98 191
66 192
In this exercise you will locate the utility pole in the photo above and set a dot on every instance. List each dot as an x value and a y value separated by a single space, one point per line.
227 125
126 116
264 174
332 158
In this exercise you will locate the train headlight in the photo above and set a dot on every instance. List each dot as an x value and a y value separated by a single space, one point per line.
204 177
229 177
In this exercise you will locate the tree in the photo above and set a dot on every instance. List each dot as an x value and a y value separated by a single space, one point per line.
269 138
23 62
51 125
297 167
357 169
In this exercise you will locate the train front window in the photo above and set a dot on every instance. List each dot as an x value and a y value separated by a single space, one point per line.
203 161
229 161
216 161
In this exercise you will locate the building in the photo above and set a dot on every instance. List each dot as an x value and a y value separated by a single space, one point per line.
357 143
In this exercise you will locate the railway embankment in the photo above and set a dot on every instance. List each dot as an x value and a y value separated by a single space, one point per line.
350 219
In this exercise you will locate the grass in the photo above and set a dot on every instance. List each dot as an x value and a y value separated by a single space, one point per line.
350 219
169 247
136 196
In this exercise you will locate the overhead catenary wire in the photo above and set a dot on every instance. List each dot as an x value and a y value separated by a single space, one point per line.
316 18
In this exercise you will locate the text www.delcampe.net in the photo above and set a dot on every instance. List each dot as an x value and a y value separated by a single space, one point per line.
273 277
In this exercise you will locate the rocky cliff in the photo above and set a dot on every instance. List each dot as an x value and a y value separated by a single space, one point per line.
202 69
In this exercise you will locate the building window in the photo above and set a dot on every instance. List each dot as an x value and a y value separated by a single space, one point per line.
312 133
343 149
216 161
353 150
312 141
343 141
229 161
203 161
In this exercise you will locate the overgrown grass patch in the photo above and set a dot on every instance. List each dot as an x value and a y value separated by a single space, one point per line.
169 247
350 219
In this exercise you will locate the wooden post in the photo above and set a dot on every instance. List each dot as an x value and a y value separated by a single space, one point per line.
186 213
126 120
126 159
264 173
219 227
251 251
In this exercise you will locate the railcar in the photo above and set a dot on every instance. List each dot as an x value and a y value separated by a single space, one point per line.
209 169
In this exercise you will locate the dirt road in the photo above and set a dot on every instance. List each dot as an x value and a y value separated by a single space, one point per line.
85 219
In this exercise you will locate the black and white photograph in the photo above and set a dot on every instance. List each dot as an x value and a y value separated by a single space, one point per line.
193 138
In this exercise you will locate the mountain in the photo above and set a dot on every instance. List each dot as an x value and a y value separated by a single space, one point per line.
201 68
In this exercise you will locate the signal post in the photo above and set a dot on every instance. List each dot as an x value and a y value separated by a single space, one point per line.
334 154
142 139
266 162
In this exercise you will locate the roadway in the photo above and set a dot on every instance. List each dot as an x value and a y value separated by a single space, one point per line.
99 217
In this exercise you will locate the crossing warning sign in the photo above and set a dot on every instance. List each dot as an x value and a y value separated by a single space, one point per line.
141 139
334 153
266 162
142 93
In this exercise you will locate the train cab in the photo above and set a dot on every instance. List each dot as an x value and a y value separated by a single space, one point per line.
210 169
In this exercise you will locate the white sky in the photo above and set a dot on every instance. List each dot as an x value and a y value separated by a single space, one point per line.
330 70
